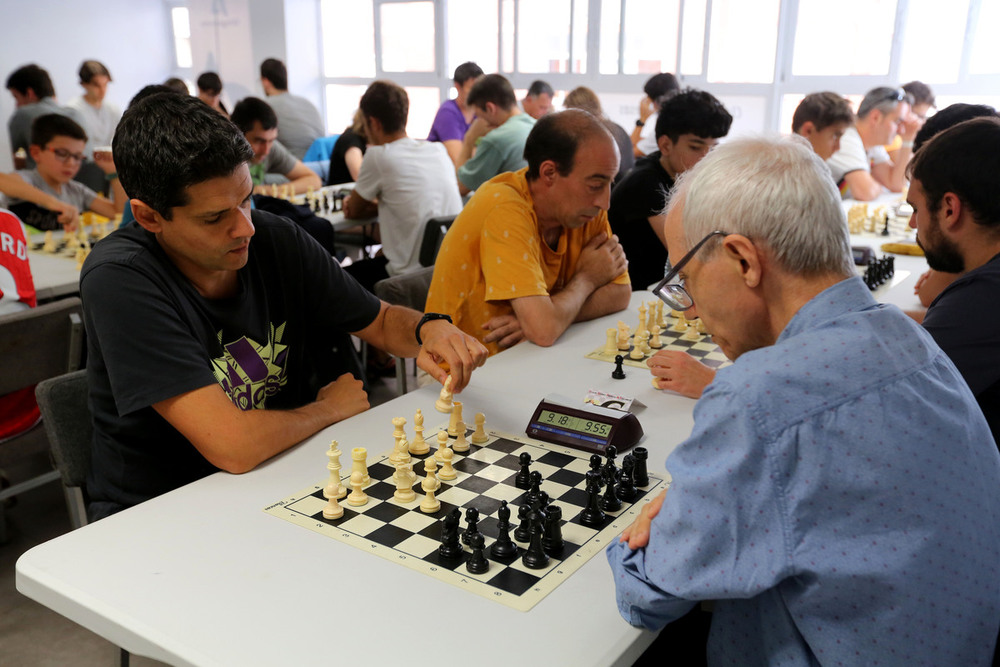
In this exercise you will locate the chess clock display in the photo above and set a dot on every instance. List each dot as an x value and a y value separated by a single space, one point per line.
591 428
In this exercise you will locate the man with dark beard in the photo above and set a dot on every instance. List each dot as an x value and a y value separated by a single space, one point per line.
956 213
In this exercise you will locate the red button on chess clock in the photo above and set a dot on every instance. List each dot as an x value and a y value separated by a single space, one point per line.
591 428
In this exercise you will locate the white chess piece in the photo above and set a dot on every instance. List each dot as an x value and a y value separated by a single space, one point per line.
358 497
430 504
447 471
611 344
359 456
442 446
404 483
419 445
461 444
331 492
443 403
456 417
398 432
479 436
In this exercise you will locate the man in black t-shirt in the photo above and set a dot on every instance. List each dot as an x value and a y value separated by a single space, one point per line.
956 213
208 351
689 125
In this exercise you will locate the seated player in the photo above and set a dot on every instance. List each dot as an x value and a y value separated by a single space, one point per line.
690 124
584 98
348 152
921 99
212 329
494 143
835 468
538 100
259 125
957 217
861 167
210 91
455 116
57 145
299 122
404 181
532 252
656 89
34 96
822 118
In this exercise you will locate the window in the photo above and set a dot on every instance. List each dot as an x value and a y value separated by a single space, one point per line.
407 37
742 39
182 36
854 37
348 38
341 103
651 36
693 37
933 40
543 36
985 56
473 34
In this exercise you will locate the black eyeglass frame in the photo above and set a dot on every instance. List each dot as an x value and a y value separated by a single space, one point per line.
674 294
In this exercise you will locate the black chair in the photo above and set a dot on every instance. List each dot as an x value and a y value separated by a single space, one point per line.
409 289
434 233
66 415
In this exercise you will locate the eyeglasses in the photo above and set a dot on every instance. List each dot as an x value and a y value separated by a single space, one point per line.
64 155
897 95
673 293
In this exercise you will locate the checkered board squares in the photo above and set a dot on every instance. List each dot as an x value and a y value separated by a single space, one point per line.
401 533
704 350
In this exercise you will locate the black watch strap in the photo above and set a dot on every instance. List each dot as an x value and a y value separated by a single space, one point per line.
427 318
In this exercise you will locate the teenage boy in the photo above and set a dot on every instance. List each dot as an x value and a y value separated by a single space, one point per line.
822 119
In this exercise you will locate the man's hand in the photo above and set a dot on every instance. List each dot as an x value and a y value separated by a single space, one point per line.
680 372
637 534
69 215
478 128
645 108
505 330
909 126
105 161
444 343
601 261
344 397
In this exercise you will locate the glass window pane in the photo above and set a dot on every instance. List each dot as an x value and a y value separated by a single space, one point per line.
611 23
749 113
854 38
926 24
543 36
182 36
985 56
424 103
651 28
473 34
742 41
348 52
507 34
341 103
693 37
407 37
580 14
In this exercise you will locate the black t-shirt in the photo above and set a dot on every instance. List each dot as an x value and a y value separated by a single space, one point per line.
641 194
152 336
338 168
965 322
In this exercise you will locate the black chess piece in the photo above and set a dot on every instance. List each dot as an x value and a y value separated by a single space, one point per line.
552 539
451 547
610 501
595 462
472 525
503 547
523 530
535 480
626 485
523 478
639 474
619 372
535 557
885 230
609 472
592 514
477 563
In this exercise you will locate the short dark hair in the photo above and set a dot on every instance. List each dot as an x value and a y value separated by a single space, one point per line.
466 71
153 89
46 128
921 92
210 82
91 68
965 160
191 142
34 77
557 137
387 102
274 71
493 88
252 110
693 112
539 87
659 85
177 84
822 110
949 117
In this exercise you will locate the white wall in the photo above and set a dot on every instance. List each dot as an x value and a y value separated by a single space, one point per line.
132 38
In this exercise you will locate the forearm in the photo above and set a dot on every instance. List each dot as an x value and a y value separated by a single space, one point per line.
396 333
467 150
305 182
610 298
544 318
897 175
118 195
357 208
16 187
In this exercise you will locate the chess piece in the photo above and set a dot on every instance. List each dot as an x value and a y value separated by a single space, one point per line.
644 343
654 339
334 467
442 446
641 330
552 539
610 501
523 530
535 557
430 480
534 484
451 547
404 483
472 524
626 485
477 563
660 322
623 336
398 433
639 474
619 372
691 334
503 547
331 492
443 403
50 243
700 325
359 456
453 421
358 497
479 436
611 345
447 471
637 342
430 504
461 444
596 462
419 446
523 478
681 324
592 515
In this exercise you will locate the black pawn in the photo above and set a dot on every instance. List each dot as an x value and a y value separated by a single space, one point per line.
533 487
592 515
472 527
523 530
595 462
535 557
552 539
523 478
503 547
626 486
619 372
477 563
885 230
639 475
451 547
609 465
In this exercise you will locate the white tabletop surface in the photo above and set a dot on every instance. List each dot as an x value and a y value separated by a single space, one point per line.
55 276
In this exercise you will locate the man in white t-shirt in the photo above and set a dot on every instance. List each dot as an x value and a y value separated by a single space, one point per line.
403 181
644 134
861 168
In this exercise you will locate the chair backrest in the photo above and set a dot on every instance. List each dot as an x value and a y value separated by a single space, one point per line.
40 343
409 289
320 148
433 236
66 415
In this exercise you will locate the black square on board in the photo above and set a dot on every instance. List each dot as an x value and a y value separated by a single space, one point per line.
471 466
388 535
386 512
477 485
556 459
567 477
504 445
513 581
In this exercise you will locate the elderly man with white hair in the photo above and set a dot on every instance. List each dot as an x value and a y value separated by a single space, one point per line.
837 495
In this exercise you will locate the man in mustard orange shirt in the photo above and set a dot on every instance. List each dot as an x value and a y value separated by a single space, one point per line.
532 252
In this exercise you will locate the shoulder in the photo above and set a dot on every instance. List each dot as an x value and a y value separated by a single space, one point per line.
967 294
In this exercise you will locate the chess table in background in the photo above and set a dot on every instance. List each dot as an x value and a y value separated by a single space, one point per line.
704 350
401 533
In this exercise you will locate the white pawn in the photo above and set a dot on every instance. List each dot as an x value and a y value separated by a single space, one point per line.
447 470
461 444
456 418
443 403
681 324
479 436
430 504
404 483
359 464
442 446
654 341
611 345
431 480
419 445
398 432
691 333
637 345
358 497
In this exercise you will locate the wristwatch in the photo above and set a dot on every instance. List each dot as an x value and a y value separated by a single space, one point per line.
640 123
427 318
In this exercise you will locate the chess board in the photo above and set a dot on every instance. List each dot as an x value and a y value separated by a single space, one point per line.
704 350
401 533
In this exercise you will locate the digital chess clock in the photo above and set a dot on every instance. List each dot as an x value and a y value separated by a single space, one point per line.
591 428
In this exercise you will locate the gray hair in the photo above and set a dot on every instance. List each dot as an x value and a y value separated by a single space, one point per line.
775 191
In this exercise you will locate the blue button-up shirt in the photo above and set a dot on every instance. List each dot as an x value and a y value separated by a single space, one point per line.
839 497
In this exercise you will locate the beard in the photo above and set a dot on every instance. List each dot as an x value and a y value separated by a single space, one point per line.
942 253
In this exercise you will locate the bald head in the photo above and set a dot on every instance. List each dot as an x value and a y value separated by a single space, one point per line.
558 137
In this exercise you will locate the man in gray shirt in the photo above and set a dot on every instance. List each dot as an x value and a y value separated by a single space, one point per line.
35 96
259 124
299 121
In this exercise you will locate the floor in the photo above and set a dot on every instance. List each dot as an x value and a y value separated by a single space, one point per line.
30 634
